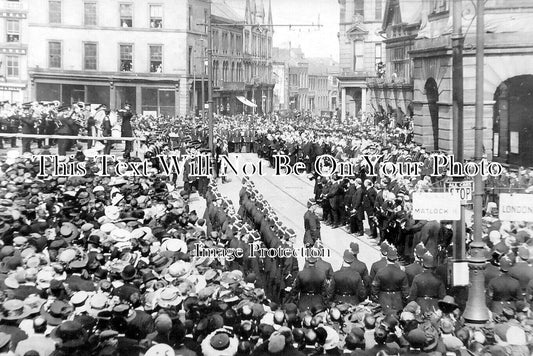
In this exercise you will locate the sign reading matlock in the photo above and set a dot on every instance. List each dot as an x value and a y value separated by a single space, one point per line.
436 206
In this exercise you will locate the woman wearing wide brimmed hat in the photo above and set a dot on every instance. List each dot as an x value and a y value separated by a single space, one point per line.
56 312
14 309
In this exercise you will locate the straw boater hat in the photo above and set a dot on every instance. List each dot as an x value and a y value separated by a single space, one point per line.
14 309
220 343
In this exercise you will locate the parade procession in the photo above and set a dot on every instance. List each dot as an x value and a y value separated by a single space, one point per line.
266 177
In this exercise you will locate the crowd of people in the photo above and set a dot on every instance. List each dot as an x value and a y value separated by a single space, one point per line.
99 265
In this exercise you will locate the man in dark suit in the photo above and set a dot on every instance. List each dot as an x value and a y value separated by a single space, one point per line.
390 288
67 127
334 195
126 129
358 212
310 286
346 285
427 289
369 202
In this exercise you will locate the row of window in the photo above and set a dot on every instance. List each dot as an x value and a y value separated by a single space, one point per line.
90 56
90 17
238 72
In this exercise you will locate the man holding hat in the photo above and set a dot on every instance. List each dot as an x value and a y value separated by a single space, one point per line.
427 289
390 287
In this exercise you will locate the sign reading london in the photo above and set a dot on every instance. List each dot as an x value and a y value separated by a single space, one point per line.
436 206
516 207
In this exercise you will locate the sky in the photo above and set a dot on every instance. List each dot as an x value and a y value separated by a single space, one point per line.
315 42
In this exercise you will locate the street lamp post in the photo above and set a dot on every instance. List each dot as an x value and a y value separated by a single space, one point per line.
210 79
476 311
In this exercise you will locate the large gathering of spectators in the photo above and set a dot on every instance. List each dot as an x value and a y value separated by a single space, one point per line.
99 265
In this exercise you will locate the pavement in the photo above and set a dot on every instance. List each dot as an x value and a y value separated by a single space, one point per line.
288 196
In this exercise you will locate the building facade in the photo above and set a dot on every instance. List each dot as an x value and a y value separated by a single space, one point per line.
391 92
257 60
361 49
14 40
241 57
508 79
198 18
111 52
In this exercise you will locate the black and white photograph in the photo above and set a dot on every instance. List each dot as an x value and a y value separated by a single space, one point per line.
266 177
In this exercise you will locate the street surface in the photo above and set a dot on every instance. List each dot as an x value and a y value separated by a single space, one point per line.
288 196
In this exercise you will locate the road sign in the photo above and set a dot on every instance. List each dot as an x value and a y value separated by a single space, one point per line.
436 206
516 207
464 189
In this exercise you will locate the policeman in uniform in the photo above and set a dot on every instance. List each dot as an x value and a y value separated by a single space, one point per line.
310 286
522 270
427 289
503 291
379 264
346 285
359 266
311 224
390 287
416 268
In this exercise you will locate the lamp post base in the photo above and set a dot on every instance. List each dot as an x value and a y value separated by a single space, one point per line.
476 311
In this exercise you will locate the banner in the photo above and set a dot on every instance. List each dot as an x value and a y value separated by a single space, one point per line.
516 207
436 206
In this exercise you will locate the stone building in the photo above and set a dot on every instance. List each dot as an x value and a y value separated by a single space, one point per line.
14 40
111 52
361 48
508 79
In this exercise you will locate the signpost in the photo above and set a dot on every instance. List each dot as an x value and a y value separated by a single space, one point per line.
516 207
436 206
465 190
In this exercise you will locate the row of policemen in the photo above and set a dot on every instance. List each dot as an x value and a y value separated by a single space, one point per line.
388 284
52 118
254 224
239 138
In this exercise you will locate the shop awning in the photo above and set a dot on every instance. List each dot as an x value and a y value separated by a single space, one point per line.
246 102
